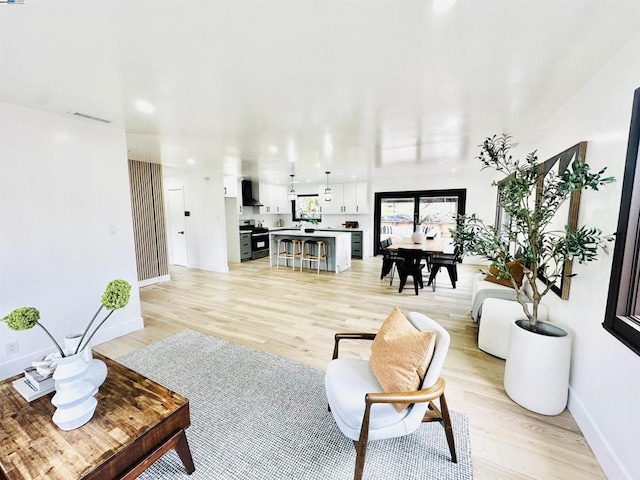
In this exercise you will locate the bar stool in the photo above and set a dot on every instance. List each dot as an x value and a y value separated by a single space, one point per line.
289 248
320 254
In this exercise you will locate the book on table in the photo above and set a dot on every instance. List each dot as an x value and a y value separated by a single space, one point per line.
28 393
36 380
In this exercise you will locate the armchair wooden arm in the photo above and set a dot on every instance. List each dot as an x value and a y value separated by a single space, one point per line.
433 414
417 396
350 336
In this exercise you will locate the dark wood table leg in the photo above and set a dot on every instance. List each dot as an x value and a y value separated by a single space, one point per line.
178 441
184 452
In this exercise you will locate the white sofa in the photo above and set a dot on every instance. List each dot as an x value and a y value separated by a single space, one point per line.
497 317
483 290
496 308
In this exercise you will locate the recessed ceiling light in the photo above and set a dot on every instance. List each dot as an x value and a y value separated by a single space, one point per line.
191 161
439 5
145 107
273 149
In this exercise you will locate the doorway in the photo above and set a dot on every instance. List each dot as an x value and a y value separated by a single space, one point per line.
177 227
399 214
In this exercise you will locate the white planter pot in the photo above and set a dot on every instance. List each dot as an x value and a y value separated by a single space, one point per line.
536 373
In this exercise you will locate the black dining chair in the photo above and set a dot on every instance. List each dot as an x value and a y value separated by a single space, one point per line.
410 265
389 260
447 260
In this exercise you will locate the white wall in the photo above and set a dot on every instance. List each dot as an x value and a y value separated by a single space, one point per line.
605 375
205 227
65 227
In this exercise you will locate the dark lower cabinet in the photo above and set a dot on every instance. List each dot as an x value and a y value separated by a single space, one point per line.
356 244
245 246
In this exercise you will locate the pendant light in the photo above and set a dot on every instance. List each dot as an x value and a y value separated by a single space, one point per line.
292 193
328 195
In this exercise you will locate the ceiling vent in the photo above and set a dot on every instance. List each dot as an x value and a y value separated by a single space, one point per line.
89 117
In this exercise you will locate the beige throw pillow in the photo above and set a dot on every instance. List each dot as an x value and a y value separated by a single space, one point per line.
400 355
516 269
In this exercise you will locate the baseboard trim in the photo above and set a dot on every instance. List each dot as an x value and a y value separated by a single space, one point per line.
154 280
601 448
210 268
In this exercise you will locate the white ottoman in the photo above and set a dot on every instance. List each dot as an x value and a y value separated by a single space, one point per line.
495 324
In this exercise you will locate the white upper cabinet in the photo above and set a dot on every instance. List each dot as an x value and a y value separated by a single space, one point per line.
362 197
230 186
347 198
274 199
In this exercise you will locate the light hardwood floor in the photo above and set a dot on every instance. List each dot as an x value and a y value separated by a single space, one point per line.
295 315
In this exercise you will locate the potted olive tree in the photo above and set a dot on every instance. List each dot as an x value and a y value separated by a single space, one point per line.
537 364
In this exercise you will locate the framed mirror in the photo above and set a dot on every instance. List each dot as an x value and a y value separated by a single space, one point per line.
503 219
567 215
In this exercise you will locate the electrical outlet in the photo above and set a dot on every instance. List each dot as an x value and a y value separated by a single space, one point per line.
11 347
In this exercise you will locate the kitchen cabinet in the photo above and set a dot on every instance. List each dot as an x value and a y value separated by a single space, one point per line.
245 246
350 198
356 245
230 186
274 199
358 237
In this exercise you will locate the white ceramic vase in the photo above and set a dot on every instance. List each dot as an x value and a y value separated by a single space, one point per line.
536 373
77 380
417 237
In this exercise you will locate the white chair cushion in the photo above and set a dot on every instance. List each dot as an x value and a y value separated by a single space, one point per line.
347 381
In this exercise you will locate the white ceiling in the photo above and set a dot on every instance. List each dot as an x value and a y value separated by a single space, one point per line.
388 84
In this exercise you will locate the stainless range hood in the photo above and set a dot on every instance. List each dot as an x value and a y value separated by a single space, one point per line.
247 195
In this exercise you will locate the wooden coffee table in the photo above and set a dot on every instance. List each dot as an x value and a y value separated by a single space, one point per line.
136 422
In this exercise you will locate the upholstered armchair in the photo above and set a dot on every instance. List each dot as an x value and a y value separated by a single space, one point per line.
362 409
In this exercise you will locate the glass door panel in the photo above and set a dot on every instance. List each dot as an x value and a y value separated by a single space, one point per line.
396 217
438 215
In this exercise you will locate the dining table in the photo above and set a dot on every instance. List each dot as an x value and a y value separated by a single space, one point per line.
436 245
427 246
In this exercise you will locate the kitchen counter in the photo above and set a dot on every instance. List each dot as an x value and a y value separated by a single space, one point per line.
338 246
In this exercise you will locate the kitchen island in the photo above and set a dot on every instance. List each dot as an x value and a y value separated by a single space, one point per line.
338 246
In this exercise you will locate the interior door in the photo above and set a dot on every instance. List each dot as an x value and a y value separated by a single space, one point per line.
177 228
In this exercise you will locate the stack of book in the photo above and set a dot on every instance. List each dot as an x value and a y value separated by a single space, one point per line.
34 384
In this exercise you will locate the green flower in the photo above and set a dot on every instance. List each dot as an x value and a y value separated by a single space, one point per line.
22 318
116 295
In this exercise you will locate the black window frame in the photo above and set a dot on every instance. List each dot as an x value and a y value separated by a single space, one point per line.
460 193
622 304
294 203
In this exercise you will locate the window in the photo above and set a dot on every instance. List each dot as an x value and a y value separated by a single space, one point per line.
306 207
622 318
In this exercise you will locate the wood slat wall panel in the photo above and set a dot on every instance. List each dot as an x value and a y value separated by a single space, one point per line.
161 231
145 180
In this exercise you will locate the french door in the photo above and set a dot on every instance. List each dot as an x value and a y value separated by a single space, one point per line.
399 214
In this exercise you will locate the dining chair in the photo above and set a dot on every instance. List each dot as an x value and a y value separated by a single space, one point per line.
389 260
447 260
411 265
364 412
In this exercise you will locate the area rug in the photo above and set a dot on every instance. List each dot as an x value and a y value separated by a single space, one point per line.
258 416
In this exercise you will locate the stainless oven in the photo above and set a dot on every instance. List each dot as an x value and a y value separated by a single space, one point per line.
259 238
259 243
